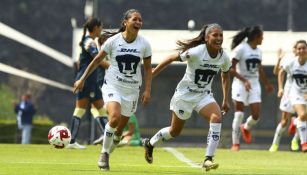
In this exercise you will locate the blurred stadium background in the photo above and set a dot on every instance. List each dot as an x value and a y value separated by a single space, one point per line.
38 46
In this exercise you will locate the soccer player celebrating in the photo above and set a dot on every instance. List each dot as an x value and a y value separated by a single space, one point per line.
297 68
205 57
126 50
246 68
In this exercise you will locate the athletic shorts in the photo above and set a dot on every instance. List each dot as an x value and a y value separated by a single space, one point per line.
126 97
285 104
297 98
91 92
238 92
183 109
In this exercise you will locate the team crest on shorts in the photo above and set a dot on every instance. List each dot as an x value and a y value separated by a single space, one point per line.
181 112
110 95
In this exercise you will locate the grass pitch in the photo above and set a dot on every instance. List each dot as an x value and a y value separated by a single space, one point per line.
46 160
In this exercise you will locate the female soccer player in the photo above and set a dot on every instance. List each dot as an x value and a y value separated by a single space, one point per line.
91 93
286 108
297 69
205 57
123 79
246 68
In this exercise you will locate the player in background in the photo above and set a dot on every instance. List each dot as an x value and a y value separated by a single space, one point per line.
91 93
131 134
100 79
297 69
205 57
246 90
126 50
286 108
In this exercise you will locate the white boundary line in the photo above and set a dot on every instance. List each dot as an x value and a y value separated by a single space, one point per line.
20 73
181 157
28 41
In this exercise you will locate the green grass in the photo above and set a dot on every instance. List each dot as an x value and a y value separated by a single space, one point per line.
44 160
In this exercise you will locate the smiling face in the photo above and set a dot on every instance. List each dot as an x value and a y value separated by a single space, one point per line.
214 38
301 50
134 22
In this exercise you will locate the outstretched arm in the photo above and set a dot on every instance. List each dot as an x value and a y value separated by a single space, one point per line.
281 78
165 63
280 55
78 86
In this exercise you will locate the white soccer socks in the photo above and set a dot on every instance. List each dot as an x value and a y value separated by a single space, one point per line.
237 120
107 138
161 136
213 138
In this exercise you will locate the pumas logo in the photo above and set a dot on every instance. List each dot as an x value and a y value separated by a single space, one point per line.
110 95
108 134
127 64
181 112
215 137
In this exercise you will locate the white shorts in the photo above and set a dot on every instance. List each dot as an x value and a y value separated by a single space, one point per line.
297 99
238 92
183 109
127 98
285 104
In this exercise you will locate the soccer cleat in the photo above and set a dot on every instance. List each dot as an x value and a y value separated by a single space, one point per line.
75 146
304 147
235 147
274 148
98 141
247 137
294 145
148 150
103 162
292 127
209 164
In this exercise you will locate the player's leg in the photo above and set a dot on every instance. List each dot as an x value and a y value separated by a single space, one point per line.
162 135
302 124
281 127
237 121
100 115
212 113
79 112
250 122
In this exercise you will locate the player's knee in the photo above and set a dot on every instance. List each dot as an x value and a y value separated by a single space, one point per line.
284 122
215 118
114 119
174 132
79 112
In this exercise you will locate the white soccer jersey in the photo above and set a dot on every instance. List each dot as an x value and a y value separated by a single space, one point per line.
289 79
249 60
200 72
125 60
299 75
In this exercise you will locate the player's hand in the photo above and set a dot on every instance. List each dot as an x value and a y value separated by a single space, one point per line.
247 85
225 107
78 86
280 93
145 97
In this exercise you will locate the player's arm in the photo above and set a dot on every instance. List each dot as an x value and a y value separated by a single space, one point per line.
281 79
168 60
280 55
268 86
148 78
233 72
104 64
78 86
225 78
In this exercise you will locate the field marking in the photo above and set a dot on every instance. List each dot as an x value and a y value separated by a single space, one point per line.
181 157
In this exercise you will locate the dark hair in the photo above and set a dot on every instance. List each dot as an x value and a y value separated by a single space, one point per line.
103 37
126 16
89 25
299 42
250 32
187 44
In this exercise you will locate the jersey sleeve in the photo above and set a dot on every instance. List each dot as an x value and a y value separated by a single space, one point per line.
188 54
237 53
107 46
227 64
147 49
91 47
286 65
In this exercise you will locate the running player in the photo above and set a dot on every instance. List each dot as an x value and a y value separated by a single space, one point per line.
123 79
91 93
205 57
297 69
246 68
286 108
